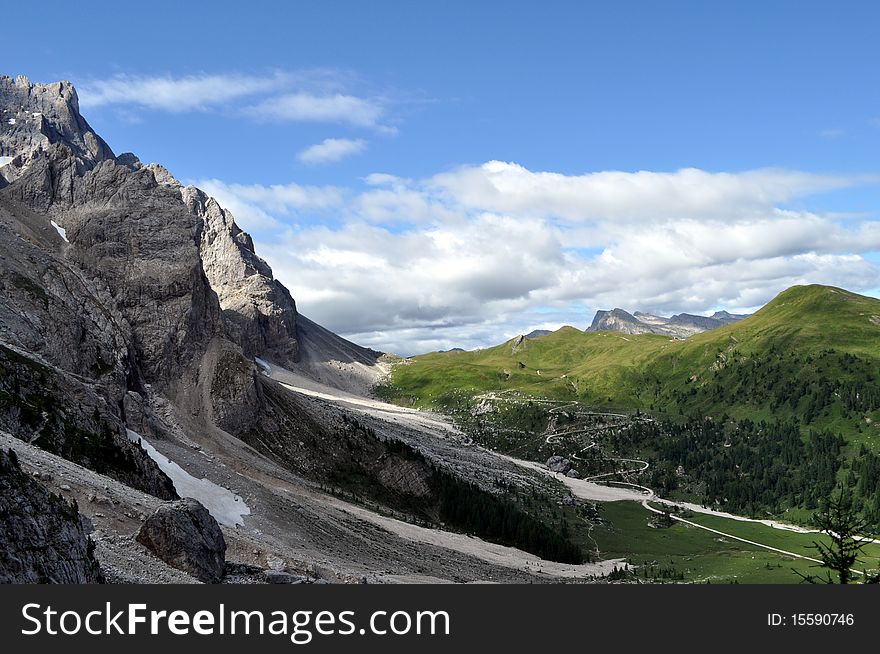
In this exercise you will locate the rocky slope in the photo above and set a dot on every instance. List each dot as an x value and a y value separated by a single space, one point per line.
680 325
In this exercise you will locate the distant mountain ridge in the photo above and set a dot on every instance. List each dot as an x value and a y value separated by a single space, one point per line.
681 325
811 353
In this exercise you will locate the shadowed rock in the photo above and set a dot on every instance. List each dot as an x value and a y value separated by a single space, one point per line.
42 539
185 536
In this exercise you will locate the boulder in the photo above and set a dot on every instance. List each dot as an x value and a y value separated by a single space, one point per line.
574 474
186 537
558 464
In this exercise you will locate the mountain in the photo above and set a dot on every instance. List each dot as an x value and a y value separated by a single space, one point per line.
618 320
148 352
811 353
680 325
537 333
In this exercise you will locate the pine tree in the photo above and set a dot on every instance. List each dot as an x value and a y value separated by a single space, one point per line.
842 524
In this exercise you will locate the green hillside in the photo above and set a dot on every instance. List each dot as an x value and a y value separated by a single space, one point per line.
811 353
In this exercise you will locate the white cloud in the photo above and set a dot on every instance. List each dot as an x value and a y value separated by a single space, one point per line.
257 207
308 107
475 255
175 94
511 188
304 96
330 150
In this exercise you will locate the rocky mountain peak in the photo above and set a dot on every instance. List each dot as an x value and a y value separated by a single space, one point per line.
679 325
617 320
34 117
134 225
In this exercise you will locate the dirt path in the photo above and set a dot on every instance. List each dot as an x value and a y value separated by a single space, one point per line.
624 471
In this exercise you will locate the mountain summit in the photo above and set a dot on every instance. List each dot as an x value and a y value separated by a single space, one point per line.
680 325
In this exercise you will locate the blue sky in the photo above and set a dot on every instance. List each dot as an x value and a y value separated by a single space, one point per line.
320 99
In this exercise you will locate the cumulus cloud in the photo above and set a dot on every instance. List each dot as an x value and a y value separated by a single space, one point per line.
613 195
330 150
475 255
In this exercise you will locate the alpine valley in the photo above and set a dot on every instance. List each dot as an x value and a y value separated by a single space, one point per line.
168 416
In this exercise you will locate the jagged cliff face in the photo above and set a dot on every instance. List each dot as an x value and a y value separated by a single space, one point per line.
36 116
258 312
119 287
175 263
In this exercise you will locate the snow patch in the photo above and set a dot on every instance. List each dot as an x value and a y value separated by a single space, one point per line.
263 364
227 508
61 231
5 160
11 121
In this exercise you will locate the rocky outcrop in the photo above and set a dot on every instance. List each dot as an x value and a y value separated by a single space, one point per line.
42 539
258 312
185 536
229 380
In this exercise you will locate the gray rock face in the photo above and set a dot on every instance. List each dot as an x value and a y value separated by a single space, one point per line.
149 240
558 464
66 356
35 116
185 536
134 237
121 300
406 477
42 539
258 312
